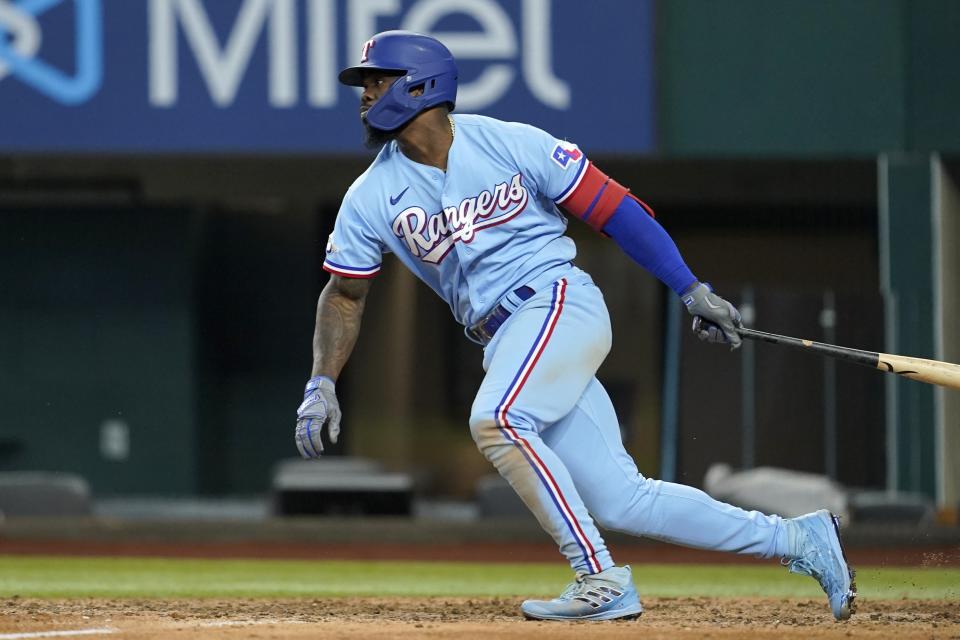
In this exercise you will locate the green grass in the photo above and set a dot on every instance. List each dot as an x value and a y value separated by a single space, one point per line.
50 577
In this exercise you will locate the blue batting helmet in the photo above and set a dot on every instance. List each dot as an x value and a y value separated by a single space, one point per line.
423 61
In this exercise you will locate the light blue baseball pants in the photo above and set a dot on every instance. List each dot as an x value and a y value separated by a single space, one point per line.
548 426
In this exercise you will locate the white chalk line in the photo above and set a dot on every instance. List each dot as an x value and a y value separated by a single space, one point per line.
242 623
108 630
57 634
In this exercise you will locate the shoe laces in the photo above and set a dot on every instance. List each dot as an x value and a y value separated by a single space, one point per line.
594 595
571 589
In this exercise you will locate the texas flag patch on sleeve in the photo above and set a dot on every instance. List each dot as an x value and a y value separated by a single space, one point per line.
565 153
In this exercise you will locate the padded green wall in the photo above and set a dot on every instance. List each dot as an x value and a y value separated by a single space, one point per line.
96 323
193 328
820 77
907 282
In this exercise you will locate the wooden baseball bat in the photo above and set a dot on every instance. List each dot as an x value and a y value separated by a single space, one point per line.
931 371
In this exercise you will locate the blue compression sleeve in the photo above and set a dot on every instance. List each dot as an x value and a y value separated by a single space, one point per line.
643 239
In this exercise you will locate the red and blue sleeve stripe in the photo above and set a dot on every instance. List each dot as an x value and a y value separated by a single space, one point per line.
350 272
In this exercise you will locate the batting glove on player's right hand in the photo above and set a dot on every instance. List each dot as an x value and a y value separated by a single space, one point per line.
714 319
319 405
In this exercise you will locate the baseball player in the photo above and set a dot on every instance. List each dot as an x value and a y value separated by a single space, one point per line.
477 209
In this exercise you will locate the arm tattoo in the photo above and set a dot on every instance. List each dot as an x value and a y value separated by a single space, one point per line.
339 310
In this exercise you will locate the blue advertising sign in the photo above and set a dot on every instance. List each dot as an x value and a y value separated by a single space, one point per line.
258 76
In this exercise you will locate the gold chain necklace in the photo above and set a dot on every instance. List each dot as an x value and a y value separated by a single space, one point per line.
453 127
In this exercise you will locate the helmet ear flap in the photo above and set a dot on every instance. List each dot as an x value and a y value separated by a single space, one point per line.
394 108
410 95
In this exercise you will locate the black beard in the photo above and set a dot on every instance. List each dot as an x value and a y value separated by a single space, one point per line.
374 138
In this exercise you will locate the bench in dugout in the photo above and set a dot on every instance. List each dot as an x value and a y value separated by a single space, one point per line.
339 486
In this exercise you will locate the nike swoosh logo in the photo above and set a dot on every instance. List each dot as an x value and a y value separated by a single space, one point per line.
707 300
395 200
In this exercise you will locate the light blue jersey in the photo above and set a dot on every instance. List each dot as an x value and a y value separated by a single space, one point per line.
473 233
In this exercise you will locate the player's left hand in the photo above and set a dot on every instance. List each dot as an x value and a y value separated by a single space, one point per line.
714 319
319 406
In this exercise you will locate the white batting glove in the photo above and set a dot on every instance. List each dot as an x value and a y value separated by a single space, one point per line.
319 406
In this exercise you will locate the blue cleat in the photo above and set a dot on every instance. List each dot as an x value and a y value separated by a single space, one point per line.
607 595
816 537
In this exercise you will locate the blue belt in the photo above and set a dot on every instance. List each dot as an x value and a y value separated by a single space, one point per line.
483 330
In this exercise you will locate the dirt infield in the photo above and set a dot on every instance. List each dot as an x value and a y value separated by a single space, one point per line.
492 619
